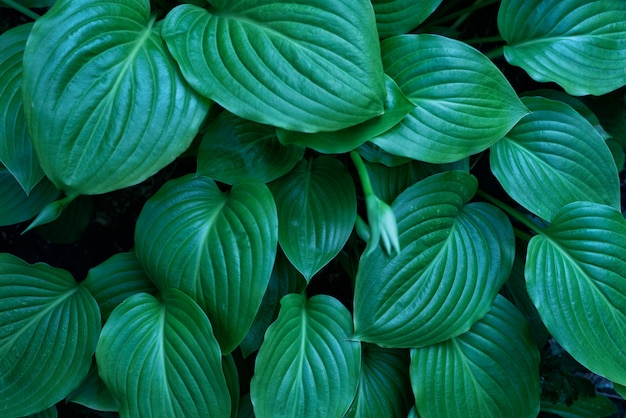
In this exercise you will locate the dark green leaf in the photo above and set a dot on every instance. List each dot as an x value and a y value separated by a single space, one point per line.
395 17
595 407
18 207
93 393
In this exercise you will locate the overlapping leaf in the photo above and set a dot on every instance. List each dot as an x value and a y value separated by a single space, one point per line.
49 326
575 274
454 258
93 393
218 247
579 44
463 103
308 67
16 206
492 371
554 157
160 358
395 17
104 101
307 366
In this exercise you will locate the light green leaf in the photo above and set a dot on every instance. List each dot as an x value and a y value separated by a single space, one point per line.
579 44
316 205
49 327
15 205
217 247
307 366
160 358
575 274
463 103
554 152
454 258
16 149
93 393
395 17
310 67
234 148
492 371
105 112
384 385
596 407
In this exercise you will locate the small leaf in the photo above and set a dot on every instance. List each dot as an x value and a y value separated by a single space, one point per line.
49 327
554 152
579 44
447 81
307 366
93 393
492 371
575 274
395 17
160 358
16 205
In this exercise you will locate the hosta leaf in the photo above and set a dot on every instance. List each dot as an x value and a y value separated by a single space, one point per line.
304 66
579 44
49 327
16 149
492 371
46 413
232 382
218 247
15 205
307 366
389 182
575 274
554 152
160 358
463 103
395 17
454 258
316 205
93 393
234 148
105 112
71 223
594 407
384 385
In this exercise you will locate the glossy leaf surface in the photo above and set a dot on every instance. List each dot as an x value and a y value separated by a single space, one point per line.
16 206
395 17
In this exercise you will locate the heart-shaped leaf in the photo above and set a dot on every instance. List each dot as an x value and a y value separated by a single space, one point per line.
554 152
43 312
454 258
316 205
105 112
395 17
307 366
579 44
160 358
447 81
491 371
576 277
217 247
16 149
308 67
18 207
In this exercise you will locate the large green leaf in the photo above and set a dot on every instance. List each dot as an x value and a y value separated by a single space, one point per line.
576 277
579 44
218 247
49 326
160 358
395 17
492 371
304 66
15 205
16 149
454 258
105 111
554 152
463 103
307 366
316 205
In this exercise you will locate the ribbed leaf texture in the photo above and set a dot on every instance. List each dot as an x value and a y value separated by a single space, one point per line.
395 17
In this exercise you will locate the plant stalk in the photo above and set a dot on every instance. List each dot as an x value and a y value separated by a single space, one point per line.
513 213
362 172
24 10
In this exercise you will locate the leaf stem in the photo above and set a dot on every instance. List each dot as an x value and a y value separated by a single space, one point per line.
495 53
479 4
512 212
523 235
484 40
362 172
24 10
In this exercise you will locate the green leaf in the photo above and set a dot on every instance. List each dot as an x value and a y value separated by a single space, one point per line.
105 112
234 148
232 382
245 407
389 182
384 385
18 207
16 149
612 115
71 223
395 17
492 371
217 247
575 274
32 3
93 393
597 406
307 366
43 312
308 67
454 259
316 205
160 358
463 103
46 413
554 152
579 44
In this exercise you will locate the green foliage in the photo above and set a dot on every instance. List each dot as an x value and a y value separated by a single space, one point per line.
334 209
